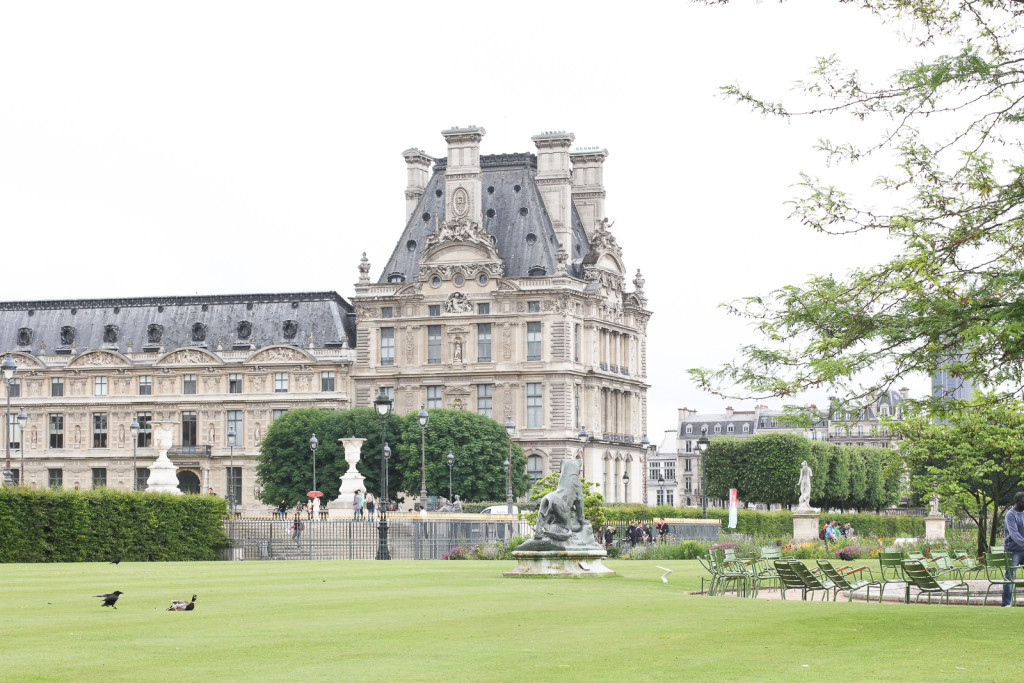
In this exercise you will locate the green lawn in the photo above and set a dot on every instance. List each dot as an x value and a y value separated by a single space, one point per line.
427 621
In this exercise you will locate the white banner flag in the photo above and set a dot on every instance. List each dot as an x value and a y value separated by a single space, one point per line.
732 508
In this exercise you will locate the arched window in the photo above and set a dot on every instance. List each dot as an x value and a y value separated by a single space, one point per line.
689 429
718 429
730 429
746 428
534 469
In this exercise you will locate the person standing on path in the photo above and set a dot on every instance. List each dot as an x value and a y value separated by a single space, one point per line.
1013 543
357 507
368 501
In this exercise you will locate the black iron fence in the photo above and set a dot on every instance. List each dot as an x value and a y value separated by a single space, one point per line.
333 539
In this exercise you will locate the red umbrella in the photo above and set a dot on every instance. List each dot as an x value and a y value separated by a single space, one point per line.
314 494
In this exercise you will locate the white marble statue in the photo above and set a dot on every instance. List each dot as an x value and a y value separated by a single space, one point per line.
804 502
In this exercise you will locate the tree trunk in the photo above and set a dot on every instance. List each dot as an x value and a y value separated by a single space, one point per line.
982 536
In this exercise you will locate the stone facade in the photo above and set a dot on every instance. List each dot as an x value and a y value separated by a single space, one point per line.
507 294
123 359
499 298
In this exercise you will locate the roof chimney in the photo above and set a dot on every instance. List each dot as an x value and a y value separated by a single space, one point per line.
418 166
462 177
905 392
554 179
588 185
728 412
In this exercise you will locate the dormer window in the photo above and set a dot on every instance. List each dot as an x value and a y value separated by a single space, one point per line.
396 277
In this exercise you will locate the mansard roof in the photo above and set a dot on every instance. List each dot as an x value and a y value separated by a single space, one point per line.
151 323
520 223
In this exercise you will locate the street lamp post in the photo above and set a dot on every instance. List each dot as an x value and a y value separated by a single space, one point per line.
510 430
451 461
625 486
383 406
423 418
583 437
644 447
134 428
22 421
702 446
313 444
661 488
231 470
9 367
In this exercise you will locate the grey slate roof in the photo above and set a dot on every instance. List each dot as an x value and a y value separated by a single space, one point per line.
501 174
183 320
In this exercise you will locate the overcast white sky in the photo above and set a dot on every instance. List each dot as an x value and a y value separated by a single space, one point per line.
225 147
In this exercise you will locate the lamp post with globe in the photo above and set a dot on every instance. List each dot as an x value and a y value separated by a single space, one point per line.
382 404
9 368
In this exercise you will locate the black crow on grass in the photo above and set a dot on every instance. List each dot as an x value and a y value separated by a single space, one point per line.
110 598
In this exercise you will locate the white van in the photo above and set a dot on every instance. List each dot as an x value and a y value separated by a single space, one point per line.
499 510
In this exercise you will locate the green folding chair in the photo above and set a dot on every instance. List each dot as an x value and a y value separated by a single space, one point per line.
926 583
840 576
892 573
789 578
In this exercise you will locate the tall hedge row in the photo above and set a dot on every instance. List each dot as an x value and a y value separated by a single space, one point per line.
102 525
765 468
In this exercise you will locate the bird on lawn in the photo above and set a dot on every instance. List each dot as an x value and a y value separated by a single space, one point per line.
117 561
110 598
182 606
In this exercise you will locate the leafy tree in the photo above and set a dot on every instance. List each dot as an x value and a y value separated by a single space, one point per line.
285 465
974 461
837 487
593 502
952 296
820 460
480 446
724 465
773 470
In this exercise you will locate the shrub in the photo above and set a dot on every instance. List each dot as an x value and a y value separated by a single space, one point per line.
94 526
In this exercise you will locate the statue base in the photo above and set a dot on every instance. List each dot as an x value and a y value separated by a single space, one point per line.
934 528
560 563
805 525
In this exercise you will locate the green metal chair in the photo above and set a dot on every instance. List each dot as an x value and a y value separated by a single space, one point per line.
764 570
996 566
941 564
732 572
789 578
892 573
927 584
968 563
712 577
840 576
814 582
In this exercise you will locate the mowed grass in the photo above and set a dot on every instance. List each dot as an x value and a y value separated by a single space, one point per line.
428 621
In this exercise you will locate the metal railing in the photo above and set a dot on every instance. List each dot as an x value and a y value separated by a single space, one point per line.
336 539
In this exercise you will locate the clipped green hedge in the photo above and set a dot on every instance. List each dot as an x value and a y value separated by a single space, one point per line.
778 525
102 525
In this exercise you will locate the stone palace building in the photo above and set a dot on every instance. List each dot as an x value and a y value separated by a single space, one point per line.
506 294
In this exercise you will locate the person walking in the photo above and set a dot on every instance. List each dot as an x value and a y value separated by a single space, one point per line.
282 508
362 504
370 504
357 507
1013 543
297 528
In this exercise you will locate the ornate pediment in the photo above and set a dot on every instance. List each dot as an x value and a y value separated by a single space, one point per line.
458 241
93 359
25 360
188 357
279 354
604 251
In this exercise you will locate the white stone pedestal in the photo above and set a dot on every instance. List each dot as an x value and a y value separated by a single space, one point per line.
805 525
934 528
351 481
163 477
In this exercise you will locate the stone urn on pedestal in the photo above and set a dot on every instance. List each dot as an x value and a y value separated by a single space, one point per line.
163 477
351 481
